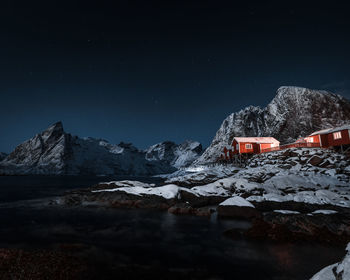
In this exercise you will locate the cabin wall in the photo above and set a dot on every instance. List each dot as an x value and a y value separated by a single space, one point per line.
264 146
313 139
240 148
344 140
324 141
234 146
244 150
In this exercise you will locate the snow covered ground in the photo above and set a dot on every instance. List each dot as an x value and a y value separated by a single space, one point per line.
292 175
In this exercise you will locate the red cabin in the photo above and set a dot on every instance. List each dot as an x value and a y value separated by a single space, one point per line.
227 153
253 145
331 137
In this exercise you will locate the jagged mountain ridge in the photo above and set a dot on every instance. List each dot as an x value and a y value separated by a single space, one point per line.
293 113
176 155
54 151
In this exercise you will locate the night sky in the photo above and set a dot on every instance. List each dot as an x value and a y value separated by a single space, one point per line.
149 71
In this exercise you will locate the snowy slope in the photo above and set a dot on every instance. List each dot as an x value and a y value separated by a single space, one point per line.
54 151
294 112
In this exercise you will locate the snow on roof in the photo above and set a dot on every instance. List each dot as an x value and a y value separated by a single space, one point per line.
256 139
330 130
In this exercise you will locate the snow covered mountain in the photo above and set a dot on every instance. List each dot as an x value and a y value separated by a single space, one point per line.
294 112
175 155
3 156
54 151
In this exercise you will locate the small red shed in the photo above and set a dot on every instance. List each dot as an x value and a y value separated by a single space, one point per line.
253 145
332 137
227 153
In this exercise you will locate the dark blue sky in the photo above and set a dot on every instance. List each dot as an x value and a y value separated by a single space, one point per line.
149 71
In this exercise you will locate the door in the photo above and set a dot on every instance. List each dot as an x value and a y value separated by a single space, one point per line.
256 148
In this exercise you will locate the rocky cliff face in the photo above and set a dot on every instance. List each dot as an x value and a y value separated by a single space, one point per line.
54 151
44 153
175 155
293 113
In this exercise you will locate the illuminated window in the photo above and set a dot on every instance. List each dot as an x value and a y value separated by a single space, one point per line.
248 146
337 135
311 140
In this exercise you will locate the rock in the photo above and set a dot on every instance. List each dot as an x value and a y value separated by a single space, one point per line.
269 205
175 155
315 160
184 202
325 164
337 271
330 229
237 212
285 166
116 199
237 207
185 209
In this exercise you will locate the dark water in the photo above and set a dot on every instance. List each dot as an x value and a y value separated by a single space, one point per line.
152 240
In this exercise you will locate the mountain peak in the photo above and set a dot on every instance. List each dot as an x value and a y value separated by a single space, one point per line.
291 91
54 131
58 126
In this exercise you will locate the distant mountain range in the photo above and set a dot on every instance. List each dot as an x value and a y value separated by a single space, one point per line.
293 113
54 151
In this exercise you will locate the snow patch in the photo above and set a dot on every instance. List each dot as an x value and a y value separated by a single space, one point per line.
325 212
286 212
237 201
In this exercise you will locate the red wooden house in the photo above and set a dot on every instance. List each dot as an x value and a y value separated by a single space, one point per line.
331 137
253 145
227 153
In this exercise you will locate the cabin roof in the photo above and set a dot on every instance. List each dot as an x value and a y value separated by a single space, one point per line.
331 130
258 140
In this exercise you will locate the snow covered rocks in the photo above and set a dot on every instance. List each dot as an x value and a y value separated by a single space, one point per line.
134 194
124 194
237 207
337 271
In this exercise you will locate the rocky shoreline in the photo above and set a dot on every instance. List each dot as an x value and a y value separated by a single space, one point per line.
276 221
293 196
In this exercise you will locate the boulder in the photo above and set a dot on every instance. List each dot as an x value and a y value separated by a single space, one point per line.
237 207
186 209
331 229
315 161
